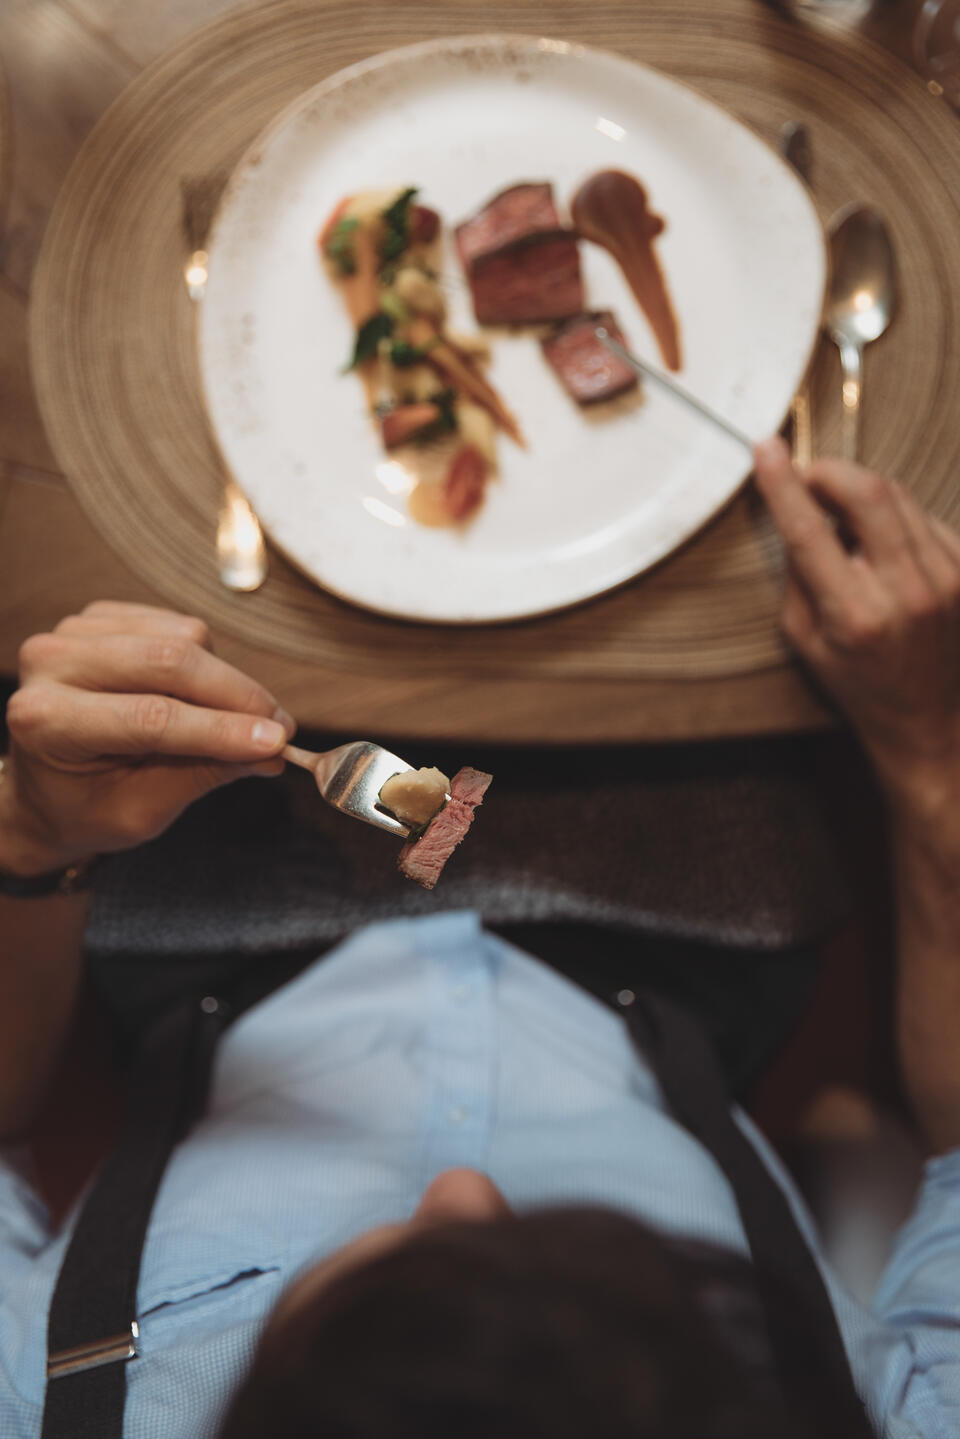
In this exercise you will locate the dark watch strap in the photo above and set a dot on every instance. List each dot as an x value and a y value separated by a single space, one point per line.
69 880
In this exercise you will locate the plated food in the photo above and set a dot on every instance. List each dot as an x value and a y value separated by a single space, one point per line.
425 386
601 491
522 264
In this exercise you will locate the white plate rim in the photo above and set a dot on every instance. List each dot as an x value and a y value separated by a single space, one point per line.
494 41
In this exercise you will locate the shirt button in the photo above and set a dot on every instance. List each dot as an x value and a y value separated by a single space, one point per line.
461 992
456 1115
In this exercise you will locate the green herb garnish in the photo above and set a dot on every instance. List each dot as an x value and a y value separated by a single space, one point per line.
402 354
396 227
371 332
445 402
446 422
339 250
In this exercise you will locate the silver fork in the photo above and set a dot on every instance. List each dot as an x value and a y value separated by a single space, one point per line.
795 147
351 778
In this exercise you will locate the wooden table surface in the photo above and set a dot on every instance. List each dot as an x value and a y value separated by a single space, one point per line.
65 62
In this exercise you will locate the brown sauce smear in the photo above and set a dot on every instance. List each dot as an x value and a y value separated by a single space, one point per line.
611 210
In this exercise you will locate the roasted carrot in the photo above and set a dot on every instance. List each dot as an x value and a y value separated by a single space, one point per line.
460 371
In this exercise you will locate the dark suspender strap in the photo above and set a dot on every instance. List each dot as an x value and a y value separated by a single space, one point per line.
803 1329
92 1325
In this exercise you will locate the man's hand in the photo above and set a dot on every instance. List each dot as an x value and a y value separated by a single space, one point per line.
123 717
879 621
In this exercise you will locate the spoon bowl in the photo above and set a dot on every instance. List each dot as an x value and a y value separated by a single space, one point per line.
861 302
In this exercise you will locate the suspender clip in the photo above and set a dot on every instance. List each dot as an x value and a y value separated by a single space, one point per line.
90 1356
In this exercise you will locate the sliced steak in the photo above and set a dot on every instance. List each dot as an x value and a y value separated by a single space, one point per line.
524 209
530 281
423 860
587 369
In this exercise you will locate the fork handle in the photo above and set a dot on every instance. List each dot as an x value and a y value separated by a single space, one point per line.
305 758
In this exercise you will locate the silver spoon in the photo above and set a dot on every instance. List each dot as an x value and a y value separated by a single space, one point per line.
860 304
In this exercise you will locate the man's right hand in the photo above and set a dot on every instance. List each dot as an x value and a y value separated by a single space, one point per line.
123 718
878 623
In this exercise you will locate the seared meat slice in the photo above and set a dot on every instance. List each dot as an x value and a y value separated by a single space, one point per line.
530 281
524 209
424 859
586 368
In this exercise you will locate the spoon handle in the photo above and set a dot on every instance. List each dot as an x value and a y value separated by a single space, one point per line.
851 360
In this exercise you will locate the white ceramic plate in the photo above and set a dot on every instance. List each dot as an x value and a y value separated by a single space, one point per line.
595 500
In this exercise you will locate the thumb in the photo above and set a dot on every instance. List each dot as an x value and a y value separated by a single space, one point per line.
773 464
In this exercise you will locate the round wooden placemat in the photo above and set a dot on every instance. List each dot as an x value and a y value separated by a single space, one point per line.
113 331
6 145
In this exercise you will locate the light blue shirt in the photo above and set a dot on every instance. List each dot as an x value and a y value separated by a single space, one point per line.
414 1047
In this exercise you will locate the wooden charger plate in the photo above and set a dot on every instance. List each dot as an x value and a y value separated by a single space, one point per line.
115 364
6 145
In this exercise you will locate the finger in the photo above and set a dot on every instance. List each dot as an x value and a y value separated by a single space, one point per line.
74 727
813 550
865 501
147 622
135 664
939 564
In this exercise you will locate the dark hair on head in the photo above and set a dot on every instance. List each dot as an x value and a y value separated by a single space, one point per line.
564 1323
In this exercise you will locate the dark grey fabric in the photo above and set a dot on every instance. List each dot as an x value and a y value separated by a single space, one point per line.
722 845
706 872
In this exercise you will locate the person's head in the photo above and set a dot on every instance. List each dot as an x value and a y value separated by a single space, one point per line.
471 1322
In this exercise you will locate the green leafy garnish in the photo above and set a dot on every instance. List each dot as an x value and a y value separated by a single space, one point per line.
371 332
340 251
402 354
445 402
396 227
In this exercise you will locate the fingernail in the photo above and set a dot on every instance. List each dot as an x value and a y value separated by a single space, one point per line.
288 721
268 735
